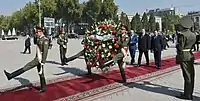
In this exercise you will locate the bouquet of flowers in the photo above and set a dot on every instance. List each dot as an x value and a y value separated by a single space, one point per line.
102 43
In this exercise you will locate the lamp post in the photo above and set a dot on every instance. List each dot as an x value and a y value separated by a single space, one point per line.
102 9
39 4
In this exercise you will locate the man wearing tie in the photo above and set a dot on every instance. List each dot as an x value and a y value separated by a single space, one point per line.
132 46
156 48
144 44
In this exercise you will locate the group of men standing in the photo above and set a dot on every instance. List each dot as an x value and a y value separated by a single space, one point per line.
145 43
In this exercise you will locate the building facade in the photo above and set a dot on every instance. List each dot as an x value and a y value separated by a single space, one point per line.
195 16
162 12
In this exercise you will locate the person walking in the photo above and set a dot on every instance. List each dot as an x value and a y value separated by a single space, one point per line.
27 45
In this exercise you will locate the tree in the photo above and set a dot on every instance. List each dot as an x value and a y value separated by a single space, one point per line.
48 7
92 10
108 10
133 23
5 20
168 22
138 23
16 20
69 11
124 20
30 16
144 21
152 23
157 26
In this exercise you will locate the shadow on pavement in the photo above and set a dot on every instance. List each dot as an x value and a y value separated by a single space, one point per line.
155 88
72 70
53 62
24 83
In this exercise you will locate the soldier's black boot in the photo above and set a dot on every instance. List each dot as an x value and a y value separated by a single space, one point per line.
89 70
14 74
123 75
42 83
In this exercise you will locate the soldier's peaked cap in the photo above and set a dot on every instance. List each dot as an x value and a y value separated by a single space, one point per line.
39 28
186 22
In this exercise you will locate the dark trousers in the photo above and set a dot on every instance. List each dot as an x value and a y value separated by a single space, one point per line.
34 63
81 53
188 74
132 53
146 54
27 48
62 54
157 58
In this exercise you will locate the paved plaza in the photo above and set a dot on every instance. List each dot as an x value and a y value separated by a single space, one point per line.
160 88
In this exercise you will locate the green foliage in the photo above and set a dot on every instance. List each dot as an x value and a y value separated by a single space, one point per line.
133 24
4 23
92 10
168 22
30 14
152 23
124 20
138 22
108 10
144 21
48 7
157 26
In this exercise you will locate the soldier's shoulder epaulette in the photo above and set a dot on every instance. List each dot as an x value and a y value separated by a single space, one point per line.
46 40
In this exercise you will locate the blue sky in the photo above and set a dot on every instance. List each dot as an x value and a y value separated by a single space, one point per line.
129 6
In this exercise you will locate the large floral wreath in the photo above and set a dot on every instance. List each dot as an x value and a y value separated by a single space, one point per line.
101 43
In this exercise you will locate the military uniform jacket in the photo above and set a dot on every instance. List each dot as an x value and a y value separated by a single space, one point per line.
186 40
124 40
42 49
62 40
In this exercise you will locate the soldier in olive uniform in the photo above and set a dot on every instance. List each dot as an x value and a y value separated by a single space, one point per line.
81 53
62 41
38 61
119 58
186 40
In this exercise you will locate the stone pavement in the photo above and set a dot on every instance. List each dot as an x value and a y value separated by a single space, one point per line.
162 88
11 59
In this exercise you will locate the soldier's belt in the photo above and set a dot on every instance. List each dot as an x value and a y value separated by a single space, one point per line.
186 50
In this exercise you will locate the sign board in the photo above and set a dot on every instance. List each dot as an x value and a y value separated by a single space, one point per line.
49 22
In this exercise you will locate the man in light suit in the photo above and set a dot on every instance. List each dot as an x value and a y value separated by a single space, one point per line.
133 46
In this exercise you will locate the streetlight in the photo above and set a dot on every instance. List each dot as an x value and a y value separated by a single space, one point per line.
39 13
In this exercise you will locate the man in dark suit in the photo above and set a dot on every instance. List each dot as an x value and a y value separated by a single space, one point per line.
144 44
27 45
156 48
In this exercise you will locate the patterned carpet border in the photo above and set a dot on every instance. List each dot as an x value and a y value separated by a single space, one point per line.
105 90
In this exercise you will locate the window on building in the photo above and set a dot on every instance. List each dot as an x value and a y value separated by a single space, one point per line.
197 19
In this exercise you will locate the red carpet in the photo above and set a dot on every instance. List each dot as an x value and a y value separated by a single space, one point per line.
79 88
